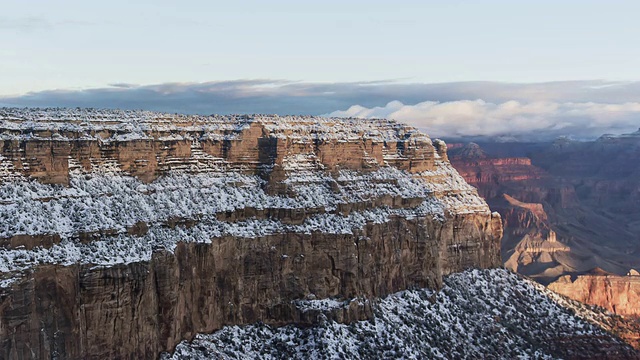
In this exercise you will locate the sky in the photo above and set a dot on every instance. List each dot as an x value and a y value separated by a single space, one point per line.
328 56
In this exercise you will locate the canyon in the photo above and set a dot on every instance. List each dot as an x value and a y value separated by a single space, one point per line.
124 233
570 212
136 234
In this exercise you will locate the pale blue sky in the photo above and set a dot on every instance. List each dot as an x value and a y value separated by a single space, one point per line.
76 44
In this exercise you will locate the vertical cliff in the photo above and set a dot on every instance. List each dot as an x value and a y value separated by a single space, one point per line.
124 233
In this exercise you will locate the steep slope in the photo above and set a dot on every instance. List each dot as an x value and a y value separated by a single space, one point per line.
490 314
126 232
530 246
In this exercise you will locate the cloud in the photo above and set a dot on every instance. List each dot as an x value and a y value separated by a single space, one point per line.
24 23
536 120
32 23
444 109
239 96
123 85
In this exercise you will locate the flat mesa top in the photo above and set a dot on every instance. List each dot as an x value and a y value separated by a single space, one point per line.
22 121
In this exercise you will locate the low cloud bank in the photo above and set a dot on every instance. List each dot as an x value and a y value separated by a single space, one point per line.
538 120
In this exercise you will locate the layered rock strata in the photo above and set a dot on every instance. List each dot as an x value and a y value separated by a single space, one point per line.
492 175
618 294
521 192
124 233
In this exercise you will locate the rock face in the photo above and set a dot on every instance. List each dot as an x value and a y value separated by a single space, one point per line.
124 233
491 175
618 294
568 208
530 245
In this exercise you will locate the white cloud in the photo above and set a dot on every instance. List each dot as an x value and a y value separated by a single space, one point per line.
31 23
24 24
530 120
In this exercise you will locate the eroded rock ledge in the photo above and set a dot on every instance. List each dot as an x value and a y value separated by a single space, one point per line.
124 233
618 294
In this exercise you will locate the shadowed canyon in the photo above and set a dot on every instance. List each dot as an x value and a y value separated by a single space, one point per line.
571 212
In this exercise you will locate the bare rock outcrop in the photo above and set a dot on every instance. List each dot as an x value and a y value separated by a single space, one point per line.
618 294
493 175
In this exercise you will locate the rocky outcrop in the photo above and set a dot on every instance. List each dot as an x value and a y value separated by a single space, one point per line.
520 191
530 247
493 175
618 294
144 307
125 233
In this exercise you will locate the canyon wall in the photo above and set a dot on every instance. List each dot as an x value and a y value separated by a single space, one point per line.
570 212
124 233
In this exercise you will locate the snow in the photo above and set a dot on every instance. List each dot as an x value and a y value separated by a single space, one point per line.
478 314
124 248
321 304
125 125
108 201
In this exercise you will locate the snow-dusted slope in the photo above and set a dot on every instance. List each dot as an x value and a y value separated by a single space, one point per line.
479 314
129 125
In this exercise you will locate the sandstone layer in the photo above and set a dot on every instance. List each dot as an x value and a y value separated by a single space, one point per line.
618 294
124 233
